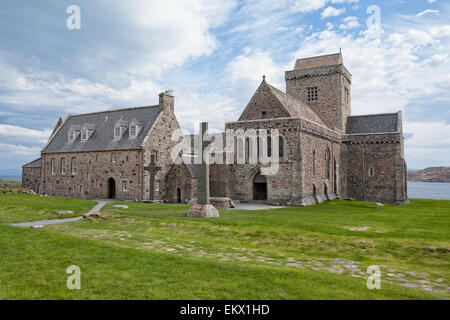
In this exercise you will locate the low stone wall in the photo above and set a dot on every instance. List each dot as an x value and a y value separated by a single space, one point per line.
221 203
22 190
9 185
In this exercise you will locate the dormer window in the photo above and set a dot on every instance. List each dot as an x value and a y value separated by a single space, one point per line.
71 135
84 135
133 131
117 132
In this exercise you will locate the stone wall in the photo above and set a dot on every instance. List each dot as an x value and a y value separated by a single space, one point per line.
179 177
264 101
159 142
31 178
375 168
94 169
331 82
320 163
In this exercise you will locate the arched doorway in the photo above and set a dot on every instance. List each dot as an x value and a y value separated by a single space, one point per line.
111 188
178 195
259 187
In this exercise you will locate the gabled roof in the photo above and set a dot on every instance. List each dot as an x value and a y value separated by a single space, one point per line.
377 123
103 124
33 164
289 105
319 61
296 108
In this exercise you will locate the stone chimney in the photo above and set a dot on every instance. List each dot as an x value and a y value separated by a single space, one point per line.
166 102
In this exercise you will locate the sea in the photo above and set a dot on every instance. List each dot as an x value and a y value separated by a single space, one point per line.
416 190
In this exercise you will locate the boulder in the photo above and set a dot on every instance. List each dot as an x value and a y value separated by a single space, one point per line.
65 213
203 211
120 206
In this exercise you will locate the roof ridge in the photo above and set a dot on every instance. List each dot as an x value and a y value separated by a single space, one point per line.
321 56
296 100
114 110
373 114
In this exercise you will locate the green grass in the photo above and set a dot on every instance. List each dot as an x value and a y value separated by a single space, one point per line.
151 251
22 207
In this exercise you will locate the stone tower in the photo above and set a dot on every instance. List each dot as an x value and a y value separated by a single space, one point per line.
323 83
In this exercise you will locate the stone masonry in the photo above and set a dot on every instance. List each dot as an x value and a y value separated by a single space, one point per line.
326 153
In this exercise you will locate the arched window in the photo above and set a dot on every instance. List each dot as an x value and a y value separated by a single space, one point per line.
281 147
314 163
248 152
240 150
327 164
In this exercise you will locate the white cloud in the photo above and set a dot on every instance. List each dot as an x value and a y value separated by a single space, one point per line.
36 136
246 70
11 150
427 11
429 143
350 23
332 12
308 5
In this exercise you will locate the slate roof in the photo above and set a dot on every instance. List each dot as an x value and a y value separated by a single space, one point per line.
295 107
102 124
378 123
34 164
319 61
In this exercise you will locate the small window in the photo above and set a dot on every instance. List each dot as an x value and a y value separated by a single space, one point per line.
157 186
281 147
124 186
154 155
74 166
113 158
53 164
133 131
313 94
71 135
264 114
63 166
371 172
314 163
84 135
117 132
347 95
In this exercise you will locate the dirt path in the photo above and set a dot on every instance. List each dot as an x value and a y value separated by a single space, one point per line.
96 209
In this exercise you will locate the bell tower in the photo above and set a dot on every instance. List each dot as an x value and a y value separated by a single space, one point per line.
324 84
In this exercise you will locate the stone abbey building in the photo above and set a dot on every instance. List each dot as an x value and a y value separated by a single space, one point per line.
324 152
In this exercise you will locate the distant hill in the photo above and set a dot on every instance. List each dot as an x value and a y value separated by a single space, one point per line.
432 174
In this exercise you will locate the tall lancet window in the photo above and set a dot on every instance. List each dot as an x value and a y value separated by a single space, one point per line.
314 163
327 164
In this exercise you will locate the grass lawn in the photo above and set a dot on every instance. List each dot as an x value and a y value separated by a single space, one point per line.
22 207
150 251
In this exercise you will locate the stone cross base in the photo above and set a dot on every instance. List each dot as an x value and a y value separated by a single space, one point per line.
203 211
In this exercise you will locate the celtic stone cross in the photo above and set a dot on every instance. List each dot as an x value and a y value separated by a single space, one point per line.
203 174
152 170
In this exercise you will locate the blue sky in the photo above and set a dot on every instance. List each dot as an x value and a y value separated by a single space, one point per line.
212 54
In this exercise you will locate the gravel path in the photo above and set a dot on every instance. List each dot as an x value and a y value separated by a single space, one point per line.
100 204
